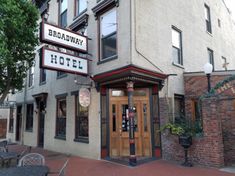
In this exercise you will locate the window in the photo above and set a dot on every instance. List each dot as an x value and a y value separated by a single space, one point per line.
29 118
11 120
31 76
81 6
208 19
42 76
61 118
63 4
179 108
210 57
108 35
177 46
196 117
81 123
61 74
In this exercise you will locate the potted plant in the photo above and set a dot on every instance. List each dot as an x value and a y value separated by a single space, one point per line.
184 130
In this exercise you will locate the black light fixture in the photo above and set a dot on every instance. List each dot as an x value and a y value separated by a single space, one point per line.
208 70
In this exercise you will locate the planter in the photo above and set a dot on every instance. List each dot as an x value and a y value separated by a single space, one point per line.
186 141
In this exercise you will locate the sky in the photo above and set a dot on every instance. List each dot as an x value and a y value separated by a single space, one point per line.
231 7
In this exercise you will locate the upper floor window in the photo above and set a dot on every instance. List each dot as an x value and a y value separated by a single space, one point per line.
108 35
42 76
63 5
31 76
210 57
177 46
208 19
29 118
81 6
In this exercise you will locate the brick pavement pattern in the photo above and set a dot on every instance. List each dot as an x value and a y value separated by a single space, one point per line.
78 166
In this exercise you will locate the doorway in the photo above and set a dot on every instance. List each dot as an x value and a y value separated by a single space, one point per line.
18 122
119 124
41 122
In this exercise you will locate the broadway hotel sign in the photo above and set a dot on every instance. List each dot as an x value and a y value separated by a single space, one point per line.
63 38
55 60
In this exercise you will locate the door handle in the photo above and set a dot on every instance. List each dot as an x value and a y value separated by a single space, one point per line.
120 131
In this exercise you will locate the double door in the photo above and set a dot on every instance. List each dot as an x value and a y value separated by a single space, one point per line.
119 127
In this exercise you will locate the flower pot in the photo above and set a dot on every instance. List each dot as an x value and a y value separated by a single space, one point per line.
185 141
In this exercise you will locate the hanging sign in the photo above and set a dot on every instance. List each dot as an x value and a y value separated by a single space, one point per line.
54 35
84 97
55 60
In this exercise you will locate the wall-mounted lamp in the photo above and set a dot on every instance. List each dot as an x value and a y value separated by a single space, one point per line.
208 70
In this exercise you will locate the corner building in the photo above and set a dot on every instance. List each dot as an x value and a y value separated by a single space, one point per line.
138 51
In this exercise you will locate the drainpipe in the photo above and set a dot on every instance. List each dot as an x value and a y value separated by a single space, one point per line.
24 111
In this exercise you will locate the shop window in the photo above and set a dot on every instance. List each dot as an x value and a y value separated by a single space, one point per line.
208 19
210 57
11 120
29 118
31 76
61 118
177 46
63 4
42 76
108 35
179 111
81 123
81 6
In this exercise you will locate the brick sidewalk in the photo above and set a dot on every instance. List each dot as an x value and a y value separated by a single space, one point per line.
87 167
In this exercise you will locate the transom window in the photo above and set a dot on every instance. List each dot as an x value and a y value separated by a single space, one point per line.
108 34
81 6
177 46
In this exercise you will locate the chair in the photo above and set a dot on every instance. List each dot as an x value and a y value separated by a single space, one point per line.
24 152
3 146
61 172
32 159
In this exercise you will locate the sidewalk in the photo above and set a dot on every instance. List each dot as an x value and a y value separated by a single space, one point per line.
87 167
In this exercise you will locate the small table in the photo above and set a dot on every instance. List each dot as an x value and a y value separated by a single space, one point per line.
8 156
25 171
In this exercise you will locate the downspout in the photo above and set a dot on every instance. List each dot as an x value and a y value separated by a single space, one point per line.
24 111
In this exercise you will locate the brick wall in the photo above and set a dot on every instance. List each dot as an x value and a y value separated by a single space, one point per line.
217 145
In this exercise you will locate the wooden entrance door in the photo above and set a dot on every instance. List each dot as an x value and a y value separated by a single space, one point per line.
119 127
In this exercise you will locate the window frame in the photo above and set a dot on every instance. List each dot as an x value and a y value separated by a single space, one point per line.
58 134
43 76
11 120
101 58
77 136
29 117
31 76
60 14
76 8
179 50
208 21
210 55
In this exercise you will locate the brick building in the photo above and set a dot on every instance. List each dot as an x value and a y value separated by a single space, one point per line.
139 53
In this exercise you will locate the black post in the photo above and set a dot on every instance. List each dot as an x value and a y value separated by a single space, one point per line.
186 162
130 89
209 81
